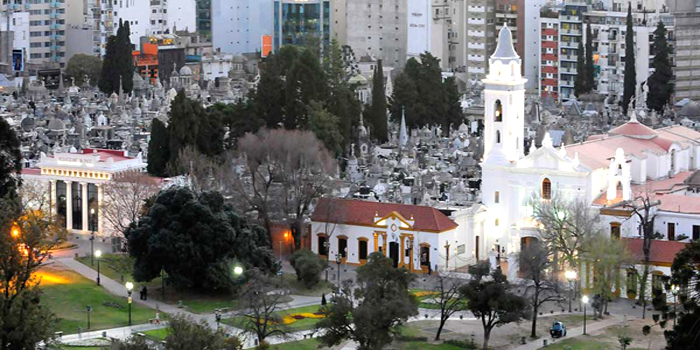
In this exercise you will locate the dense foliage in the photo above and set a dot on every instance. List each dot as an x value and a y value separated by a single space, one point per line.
684 273
377 111
660 82
158 149
308 266
10 161
426 97
382 303
118 65
82 66
630 84
197 240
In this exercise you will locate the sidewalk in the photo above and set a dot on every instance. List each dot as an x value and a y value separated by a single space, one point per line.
576 332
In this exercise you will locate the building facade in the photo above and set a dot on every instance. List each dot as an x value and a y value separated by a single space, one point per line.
297 22
480 38
687 47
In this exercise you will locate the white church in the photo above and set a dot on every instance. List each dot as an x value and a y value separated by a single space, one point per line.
603 171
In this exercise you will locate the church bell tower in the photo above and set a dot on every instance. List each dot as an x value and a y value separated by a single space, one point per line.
504 104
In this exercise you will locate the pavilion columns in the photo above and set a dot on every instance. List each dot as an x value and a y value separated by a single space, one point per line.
100 194
384 244
53 210
84 198
69 205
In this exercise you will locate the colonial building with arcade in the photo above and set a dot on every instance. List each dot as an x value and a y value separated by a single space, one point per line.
74 185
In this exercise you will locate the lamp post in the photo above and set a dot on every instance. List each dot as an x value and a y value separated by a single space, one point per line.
327 245
92 238
674 291
98 255
129 289
585 301
88 309
338 258
571 276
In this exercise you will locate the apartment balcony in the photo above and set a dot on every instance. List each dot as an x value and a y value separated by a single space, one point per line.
54 4
566 83
567 70
571 31
568 58
568 44
569 18
476 21
55 26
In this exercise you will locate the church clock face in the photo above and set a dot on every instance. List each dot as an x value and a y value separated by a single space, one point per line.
393 228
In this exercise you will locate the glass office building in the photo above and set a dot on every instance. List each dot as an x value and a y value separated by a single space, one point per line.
298 22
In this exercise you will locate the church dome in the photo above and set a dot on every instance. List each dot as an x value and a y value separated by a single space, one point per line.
56 124
690 110
635 129
185 71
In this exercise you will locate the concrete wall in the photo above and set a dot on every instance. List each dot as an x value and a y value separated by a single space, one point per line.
78 41
238 25
378 29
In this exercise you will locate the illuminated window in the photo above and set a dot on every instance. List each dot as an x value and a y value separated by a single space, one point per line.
498 111
546 189
496 222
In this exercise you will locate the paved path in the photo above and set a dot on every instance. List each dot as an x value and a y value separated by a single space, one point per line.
591 327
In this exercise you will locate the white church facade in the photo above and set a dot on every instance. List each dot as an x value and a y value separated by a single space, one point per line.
629 161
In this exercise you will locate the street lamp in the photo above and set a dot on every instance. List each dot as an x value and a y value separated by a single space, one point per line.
338 259
237 270
585 301
98 255
571 276
129 289
561 215
92 238
327 245
674 291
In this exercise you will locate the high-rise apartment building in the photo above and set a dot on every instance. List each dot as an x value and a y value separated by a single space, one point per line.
373 28
480 38
548 77
204 18
687 49
296 22
238 25
448 33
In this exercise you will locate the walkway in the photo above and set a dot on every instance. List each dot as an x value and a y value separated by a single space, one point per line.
591 327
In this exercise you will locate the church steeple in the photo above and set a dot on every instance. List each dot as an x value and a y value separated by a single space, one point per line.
504 104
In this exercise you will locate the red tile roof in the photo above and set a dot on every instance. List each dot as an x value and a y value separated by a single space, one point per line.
661 251
347 211
633 128
31 171
655 188
105 154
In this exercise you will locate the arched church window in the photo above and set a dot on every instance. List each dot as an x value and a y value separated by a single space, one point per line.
498 111
498 136
546 189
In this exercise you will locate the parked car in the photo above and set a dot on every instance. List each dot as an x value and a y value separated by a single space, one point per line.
558 330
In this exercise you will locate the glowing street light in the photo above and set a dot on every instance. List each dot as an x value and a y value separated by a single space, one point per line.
585 301
129 288
237 270
571 276
98 255
561 215
15 232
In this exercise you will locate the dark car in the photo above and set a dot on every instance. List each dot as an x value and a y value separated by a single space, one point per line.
558 330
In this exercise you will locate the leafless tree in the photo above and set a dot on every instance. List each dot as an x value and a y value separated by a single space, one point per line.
542 286
446 295
202 173
284 171
125 198
334 216
643 208
35 195
260 314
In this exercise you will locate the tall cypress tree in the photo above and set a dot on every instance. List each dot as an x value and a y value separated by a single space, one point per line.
158 149
581 83
126 61
660 81
590 70
378 108
118 62
630 65
183 131
109 78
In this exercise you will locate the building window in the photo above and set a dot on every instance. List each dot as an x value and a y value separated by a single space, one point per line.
496 222
362 249
497 197
696 232
498 111
546 189
615 230
343 247
671 231
322 249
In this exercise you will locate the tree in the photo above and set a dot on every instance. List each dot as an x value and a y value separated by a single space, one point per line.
643 208
269 98
581 82
10 161
185 119
684 273
447 297
26 237
301 167
308 266
132 343
185 334
542 286
325 125
378 109
125 198
240 118
630 84
202 173
196 240
118 66
158 149
82 66
491 300
210 136
660 82
382 303
608 257
590 69
262 305
305 82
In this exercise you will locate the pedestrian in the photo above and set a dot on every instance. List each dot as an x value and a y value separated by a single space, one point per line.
145 293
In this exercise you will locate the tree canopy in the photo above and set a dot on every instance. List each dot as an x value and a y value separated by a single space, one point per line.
158 149
196 240
660 82
118 65
10 161
630 83
82 66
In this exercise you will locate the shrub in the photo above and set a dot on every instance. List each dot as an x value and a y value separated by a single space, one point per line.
308 266
460 344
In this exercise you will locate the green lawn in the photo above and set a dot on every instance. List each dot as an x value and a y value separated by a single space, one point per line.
427 346
299 325
67 294
308 344
423 300
581 344
157 334
313 344
112 264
